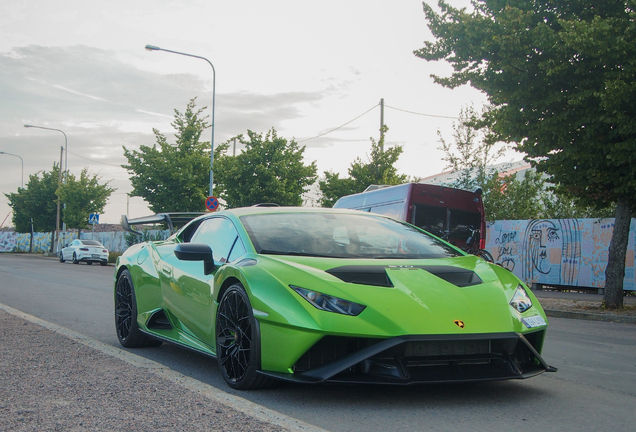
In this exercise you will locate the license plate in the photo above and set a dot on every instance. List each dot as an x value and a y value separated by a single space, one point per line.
95 255
535 321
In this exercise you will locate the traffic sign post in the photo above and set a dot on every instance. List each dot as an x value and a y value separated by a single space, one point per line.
93 218
211 203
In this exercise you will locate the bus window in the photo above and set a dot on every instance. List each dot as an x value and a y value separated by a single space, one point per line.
461 224
431 219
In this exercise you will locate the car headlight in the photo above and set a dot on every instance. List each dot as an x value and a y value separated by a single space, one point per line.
520 301
329 303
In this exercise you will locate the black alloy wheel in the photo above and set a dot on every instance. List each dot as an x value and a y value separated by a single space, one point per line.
61 257
126 327
75 260
237 344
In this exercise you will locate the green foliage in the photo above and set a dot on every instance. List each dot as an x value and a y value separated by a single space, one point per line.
269 170
505 197
112 256
532 197
38 200
560 77
378 169
83 196
471 154
174 177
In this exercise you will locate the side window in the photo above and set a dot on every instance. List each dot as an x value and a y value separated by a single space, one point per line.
237 251
222 237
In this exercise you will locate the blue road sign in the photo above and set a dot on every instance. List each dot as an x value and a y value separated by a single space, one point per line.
211 203
93 218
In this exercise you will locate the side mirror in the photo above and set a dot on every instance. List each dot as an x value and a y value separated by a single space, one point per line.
196 252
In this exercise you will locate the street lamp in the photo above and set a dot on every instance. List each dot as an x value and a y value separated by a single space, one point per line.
57 228
11 154
156 48
65 147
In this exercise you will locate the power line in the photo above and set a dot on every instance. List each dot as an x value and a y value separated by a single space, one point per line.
421 114
91 160
339 127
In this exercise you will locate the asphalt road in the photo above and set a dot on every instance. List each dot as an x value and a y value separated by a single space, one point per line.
594 390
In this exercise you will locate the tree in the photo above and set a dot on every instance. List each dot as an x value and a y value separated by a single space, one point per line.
83 196
37 201
470 155
560 77
173 177
269 170
378 169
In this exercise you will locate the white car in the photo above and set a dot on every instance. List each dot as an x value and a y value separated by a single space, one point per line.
88 251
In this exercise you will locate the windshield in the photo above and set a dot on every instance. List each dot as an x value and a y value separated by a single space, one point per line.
341 236
91 243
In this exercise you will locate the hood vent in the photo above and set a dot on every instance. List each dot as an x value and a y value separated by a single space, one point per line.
456 275
364 275
376 275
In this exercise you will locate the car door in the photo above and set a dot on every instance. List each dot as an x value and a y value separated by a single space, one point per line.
68 251
190 291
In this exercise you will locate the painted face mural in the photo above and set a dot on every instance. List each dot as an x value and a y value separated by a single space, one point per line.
552 251
542 235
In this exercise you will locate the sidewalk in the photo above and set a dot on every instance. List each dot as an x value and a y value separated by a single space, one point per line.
576 305
53 379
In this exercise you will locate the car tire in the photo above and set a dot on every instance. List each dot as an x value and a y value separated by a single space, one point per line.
238 342
126 326
103 264
75 260
61 257
89 262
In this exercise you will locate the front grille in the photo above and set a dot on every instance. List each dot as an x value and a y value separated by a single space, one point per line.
331 348
433 358
446 348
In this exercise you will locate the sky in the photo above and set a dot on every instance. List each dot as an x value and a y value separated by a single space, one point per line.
303 68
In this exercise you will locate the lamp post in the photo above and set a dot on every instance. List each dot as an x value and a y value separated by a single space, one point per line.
156 48
65 150
11 154
65 146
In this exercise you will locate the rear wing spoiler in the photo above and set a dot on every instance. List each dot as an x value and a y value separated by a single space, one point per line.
170 219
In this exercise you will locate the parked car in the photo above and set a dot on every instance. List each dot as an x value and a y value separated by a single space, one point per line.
88 251
327 295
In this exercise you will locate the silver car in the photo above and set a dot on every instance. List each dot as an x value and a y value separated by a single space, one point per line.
88 251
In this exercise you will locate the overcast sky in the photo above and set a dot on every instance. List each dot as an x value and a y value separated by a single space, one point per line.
301 67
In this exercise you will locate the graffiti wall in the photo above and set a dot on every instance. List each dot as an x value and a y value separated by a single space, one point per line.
20 242
116 241
570 252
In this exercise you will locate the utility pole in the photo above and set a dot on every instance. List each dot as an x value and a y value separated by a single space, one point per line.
381 125
57 223
234 152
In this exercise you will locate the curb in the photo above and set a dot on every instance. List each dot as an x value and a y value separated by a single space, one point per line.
235 402
591 316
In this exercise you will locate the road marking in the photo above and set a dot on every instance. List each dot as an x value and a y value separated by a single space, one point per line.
206 390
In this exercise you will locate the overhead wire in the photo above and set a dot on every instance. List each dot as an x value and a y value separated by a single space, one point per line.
339 127
421 114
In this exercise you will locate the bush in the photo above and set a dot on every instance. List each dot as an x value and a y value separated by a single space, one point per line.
112 256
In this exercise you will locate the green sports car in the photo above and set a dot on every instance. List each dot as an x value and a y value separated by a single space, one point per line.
327 295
